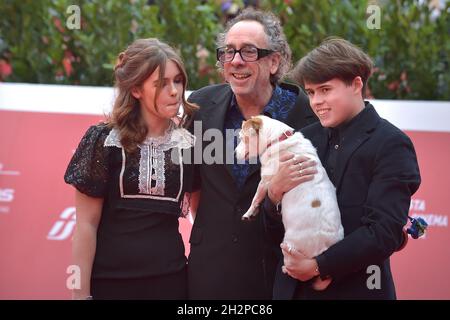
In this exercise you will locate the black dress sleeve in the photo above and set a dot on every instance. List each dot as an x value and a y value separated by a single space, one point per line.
89 166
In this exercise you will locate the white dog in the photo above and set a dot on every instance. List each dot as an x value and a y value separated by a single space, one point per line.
310 212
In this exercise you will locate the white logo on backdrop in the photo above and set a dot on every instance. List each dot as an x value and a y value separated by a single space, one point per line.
418 208
6 195
8 172
63 228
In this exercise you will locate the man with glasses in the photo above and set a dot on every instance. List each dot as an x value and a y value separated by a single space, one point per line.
230 258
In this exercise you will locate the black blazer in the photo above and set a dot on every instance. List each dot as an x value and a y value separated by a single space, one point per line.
376 175
229 258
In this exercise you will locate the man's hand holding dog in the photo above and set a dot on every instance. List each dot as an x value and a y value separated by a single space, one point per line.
293 170
299 267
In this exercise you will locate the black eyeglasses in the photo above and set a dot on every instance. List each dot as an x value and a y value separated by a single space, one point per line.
247 53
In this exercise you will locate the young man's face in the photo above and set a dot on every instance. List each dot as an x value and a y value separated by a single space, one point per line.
335 102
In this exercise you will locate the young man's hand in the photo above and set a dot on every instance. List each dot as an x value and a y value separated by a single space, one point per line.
299 267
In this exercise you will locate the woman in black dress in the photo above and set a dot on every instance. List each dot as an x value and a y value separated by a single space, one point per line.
130 183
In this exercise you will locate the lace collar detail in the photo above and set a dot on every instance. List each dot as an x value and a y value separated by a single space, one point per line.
152 161
173 137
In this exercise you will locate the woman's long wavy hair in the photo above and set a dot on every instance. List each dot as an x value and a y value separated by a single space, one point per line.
133 67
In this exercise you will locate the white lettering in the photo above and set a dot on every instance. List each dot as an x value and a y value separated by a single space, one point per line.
374 281
194 310
74 280
374 19
73 21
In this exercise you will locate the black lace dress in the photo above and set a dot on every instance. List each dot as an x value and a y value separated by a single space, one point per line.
143 192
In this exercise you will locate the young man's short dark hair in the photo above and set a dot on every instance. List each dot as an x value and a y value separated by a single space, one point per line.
334 58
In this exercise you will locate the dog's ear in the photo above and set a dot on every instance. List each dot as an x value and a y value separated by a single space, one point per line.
254 123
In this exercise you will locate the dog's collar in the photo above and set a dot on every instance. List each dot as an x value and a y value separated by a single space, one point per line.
283 137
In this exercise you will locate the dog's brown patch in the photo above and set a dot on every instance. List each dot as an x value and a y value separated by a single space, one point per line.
316 203
253 122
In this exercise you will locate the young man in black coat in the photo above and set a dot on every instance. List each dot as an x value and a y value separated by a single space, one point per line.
374 168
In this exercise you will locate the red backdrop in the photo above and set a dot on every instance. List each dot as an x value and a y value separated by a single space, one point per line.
37 213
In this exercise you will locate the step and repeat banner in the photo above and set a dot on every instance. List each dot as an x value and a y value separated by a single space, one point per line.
41 125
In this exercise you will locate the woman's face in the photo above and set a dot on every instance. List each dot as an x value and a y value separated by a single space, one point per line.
169 98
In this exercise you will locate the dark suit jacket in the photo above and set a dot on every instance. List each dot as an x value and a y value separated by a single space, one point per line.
376 175
229 258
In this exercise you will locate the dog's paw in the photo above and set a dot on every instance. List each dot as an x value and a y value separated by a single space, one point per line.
250 214
320 285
